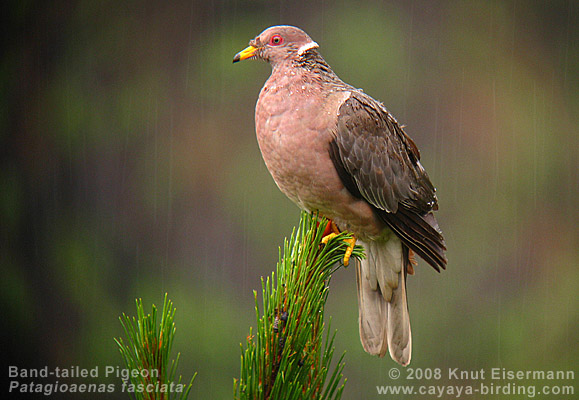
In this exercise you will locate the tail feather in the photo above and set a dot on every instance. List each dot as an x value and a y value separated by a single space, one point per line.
384 321
399 333
372 312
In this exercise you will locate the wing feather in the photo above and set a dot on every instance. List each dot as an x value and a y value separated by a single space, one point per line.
378 162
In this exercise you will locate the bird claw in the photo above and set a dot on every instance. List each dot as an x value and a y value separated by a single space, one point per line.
351 242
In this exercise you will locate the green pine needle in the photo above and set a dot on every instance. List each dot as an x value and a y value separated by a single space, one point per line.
146 355
286 358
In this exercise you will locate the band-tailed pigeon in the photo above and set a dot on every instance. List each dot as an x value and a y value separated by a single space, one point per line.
335 150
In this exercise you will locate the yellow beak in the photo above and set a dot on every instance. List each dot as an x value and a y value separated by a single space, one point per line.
245 54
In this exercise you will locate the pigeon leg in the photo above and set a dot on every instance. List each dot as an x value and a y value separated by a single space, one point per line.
335 232
330 232
328 229
412 262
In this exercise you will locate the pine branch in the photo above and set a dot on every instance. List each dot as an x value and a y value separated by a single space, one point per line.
146 355
287 357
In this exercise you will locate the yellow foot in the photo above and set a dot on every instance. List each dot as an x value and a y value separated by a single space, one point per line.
328 237
351 243
349 250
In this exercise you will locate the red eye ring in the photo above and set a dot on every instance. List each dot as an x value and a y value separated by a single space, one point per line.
276 40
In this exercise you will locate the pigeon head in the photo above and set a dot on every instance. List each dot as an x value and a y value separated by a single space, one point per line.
277 44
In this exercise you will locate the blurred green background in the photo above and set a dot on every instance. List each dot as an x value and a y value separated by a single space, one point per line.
130 168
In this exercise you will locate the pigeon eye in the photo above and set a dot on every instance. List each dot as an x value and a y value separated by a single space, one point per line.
276 40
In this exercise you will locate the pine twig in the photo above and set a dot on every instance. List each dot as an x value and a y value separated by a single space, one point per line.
146 355
286 358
